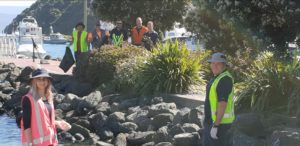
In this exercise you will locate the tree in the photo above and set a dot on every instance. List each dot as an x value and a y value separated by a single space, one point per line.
239 24
163 12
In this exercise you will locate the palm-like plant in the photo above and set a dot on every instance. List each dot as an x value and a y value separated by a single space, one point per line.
170 69
270 85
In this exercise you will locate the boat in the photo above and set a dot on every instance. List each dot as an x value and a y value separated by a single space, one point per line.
55 38
30 38
182 35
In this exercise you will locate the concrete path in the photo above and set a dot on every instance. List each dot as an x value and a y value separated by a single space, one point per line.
52 67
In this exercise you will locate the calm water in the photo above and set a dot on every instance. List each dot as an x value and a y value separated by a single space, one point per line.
10 134
55 51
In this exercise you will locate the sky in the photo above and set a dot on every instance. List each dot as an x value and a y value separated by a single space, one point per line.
9 9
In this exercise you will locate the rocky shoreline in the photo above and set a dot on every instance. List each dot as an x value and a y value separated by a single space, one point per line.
116 120
106 120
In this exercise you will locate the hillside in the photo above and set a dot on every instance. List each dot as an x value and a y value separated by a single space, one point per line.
62 15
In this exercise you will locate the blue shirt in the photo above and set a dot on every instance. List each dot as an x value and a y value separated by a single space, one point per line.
224 88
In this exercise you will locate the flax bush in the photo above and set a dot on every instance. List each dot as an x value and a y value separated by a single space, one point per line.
169 69
270 85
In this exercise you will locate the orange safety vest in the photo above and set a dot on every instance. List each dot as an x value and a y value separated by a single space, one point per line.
137 37
43 128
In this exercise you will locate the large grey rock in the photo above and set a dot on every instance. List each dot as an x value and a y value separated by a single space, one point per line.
58 98
64 107
115 127
164 144
157 100
84 123
4 84
101 143
161 108
190 127
241 139
176 129
25 74
196 116
103 107
79 129
59 114
70 85
8 90
139 138
13 75
186 139
285 136
162 120
116 117
182 116
3 75
70 114
149 144
132 110
121 140
69 97
162 135
141 119
114 107
128 127
105 133
251 124
79 137
4 97
93 99
97 120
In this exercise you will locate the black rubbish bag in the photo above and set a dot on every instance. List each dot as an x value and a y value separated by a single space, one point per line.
67 61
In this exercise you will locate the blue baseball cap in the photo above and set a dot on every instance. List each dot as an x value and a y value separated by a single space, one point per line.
40 73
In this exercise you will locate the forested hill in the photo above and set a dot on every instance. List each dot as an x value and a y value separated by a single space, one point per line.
63 15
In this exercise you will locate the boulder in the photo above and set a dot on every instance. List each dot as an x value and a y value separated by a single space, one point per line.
4 97
4 84
97 120
128 127
79 137
141 119
190 127
182 116
58 98
115 127
25 75
101 143
8 90
196 116
132 110
93 99
84 123
121 140
285 136
149 144
162 135
161 108
139 138
65 107
176 129
116 117
69 98
162 120
79 129
114 107
66 137
4 74
157 100
13 75
59 114
70 114
186 139
105 133
103 107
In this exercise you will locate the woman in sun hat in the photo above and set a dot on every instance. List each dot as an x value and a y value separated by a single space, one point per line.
38 122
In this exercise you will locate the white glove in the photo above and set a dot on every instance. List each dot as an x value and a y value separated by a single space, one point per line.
213 132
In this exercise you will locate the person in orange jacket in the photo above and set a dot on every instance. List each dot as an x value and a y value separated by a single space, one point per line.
98 37
38 124
138 32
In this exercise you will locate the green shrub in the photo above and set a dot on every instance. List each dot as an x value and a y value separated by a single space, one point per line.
270 85
103 62
170 69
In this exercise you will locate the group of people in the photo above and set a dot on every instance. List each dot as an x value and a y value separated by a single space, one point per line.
39 124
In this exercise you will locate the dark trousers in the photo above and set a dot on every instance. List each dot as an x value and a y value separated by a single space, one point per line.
224 136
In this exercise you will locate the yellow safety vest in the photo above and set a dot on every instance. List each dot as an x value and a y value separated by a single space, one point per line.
83 41
213 98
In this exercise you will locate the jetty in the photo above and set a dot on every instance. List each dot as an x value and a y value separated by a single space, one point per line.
8 54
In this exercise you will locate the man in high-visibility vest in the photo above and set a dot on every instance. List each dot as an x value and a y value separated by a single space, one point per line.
81 48
219 105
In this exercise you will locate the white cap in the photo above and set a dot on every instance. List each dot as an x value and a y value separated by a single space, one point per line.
218 57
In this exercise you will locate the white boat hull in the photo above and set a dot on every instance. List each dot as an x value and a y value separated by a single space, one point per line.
27 50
